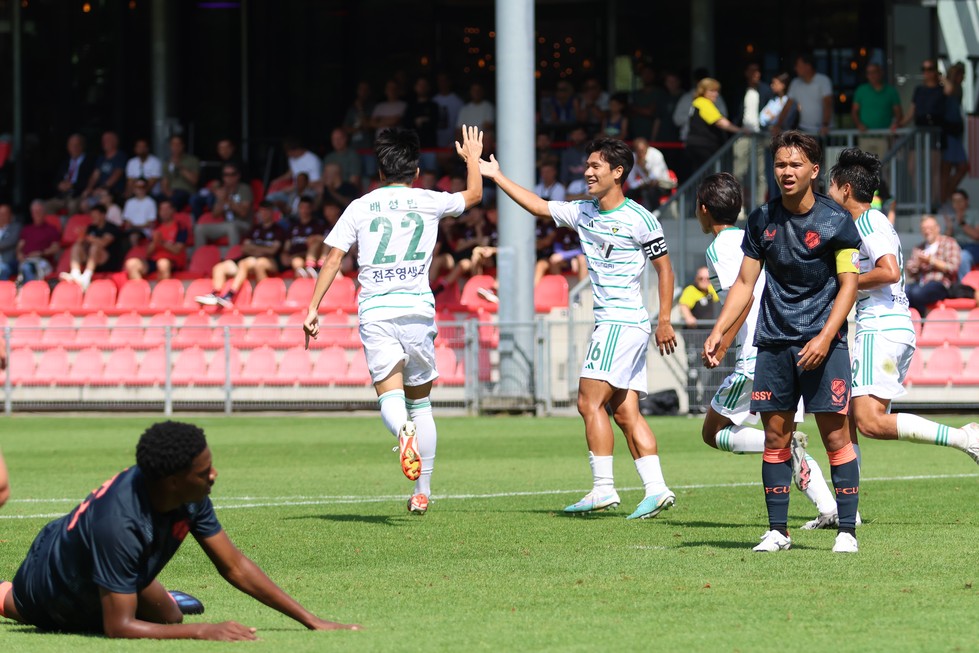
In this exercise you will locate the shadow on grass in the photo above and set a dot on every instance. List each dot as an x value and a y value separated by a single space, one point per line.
727 544
384 520
702 524
557 512
12 627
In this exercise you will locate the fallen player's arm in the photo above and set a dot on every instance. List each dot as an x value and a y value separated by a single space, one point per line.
885 272
119 620
240 571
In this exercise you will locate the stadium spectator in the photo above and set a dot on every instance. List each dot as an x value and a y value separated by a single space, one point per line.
395 306
390 111
167 249
574 156
779 114
39 245
747 115
615 123
180 175
544 151
808 247
95 569
683 108
450 104
478 112
301 160
139 213
813 92
545 233
143 165
344 156
464 235
101 249
649 176
9 237
566 256
614 371
549 187
109 172
955 163
259 258
422 115
233 202
708 126
927 110
113 212
962 224
559 110
203 199
932 267
357 121
876 105
331 212
304 242
336 188
72 177
287 201
592 106
699 301
645 105
668 131
728 425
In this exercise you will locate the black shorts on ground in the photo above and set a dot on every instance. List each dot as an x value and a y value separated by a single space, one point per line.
779 381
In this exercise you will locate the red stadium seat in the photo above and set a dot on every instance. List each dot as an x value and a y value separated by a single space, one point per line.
916 322
342 296
194 331
93 331
75 229
52 368
357 373
969 335
127 331
167 295
471 300
264 330
189 368
329 366
970 374
943 366
87 367
8 295
202 260
196 288
300 292
33 297
941 326
295 367
67 296
54 221
235 322
971 279
217 369
335 329
451 333
449 299
20 367
155 333
269 294
100 296
448 367
186 220
258 192
258 368
26 330
58 332
134 295
121 366
551 292
152 369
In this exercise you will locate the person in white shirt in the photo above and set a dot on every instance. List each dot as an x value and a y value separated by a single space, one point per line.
301 160
549 188
649 176
450 105
479 111
139 213
143 166
617 236
394 229
813 93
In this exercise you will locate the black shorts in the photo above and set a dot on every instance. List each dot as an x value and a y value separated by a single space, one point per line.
779 381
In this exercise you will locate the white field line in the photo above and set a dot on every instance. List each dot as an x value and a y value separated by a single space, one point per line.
237 503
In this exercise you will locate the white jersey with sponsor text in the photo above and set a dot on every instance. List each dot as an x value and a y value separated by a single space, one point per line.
394 228
616 245
882 310
724 258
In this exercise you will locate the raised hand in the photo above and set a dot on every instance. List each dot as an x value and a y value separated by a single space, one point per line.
472 144
489 168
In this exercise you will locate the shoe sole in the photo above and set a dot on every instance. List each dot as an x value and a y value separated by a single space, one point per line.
417 509
607 507
411 465
666 505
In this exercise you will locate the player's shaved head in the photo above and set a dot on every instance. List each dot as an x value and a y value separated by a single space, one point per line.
859 169
167 448
398 152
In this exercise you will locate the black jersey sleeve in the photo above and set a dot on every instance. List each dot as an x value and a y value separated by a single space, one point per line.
751 243
203 521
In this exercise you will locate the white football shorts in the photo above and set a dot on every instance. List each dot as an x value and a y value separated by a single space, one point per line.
617 355
409 339
879 366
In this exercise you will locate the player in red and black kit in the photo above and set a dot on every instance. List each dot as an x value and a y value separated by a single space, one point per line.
94 570
808 246
260 253
304 242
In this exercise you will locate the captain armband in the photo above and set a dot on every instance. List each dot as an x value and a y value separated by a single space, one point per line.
848 260
655 248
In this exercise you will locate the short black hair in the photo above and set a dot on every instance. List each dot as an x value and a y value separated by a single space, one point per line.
961 191
807 58
859 169
99 208
167 448
800 141
615 152
721 194
397 151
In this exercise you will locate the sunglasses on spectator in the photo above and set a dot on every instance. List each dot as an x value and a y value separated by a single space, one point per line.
928 68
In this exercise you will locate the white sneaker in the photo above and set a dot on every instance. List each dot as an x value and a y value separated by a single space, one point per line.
828 520
800 468
488 295
972 440
845 543
773 541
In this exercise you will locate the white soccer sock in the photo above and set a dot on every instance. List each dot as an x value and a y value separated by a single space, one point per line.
918 429
601 472
394 414
426 437
651 475
818 491
740 439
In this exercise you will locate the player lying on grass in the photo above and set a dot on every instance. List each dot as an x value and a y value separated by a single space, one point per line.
395 228
729 422
808 246
617 237
885 339
94 570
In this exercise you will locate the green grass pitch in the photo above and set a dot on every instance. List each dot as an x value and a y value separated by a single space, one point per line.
319 503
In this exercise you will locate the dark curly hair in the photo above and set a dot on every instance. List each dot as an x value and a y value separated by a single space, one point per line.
859 169
169 447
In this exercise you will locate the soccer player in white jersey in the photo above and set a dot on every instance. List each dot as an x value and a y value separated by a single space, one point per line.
885 340
394 228
729 423
617 236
